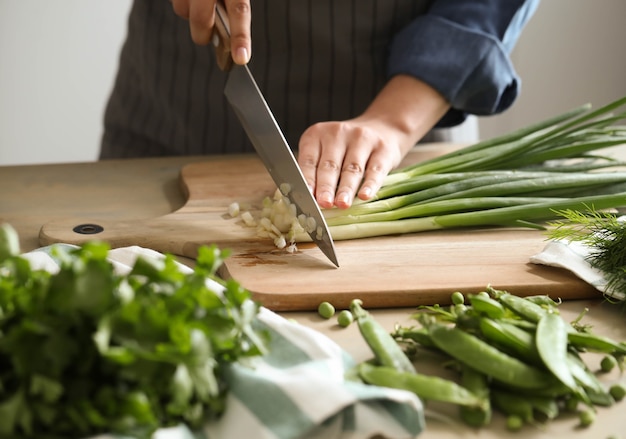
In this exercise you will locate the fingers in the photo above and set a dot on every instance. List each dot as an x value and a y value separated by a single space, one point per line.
341 161
201 20
201 17
240 18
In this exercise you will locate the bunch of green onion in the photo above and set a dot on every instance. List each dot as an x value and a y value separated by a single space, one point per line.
516 180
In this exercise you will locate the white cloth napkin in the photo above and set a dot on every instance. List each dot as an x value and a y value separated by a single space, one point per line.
297 390
572 255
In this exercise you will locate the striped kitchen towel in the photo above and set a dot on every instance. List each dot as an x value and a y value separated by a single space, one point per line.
297 390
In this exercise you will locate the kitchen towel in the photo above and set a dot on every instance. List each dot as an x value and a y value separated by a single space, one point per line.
573 256
297 390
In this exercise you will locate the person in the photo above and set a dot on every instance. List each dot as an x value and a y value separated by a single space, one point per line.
354 85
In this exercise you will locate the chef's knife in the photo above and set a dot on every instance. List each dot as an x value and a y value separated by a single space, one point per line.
257 119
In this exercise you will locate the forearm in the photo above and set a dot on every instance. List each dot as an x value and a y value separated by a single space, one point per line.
408 107
461 48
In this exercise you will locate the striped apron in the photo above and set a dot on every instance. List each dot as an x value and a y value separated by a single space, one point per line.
314 60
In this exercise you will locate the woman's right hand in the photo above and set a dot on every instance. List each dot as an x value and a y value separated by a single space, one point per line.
201 17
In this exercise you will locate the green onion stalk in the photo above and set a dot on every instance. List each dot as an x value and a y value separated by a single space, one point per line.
520 179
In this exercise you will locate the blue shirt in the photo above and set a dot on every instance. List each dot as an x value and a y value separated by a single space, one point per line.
461 48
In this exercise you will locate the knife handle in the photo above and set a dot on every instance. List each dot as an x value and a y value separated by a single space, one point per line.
221 38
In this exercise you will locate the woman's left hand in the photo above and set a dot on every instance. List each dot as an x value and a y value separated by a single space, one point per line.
347 159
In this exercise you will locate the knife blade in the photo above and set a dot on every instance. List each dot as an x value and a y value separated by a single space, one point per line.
259 123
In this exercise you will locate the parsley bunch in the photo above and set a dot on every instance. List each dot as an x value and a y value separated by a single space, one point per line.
85 350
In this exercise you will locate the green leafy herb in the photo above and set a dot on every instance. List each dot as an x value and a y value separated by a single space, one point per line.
86 351
604 234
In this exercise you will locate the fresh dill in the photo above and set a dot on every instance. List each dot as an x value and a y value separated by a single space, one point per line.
605 236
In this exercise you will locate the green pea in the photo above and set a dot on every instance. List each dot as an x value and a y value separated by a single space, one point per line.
457 298
608 363
586 418
326 310
484 294
617 391
345 318
384 347
514 422
460 309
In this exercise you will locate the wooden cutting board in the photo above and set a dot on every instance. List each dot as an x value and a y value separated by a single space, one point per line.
392 271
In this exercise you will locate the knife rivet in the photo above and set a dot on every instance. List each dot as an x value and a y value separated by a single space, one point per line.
88 229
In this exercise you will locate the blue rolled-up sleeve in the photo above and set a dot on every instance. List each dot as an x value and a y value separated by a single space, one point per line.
461 48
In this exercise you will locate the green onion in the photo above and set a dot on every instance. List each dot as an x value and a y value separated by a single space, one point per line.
520 179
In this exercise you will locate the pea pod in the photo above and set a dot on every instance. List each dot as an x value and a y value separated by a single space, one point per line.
385 349
516 341
524 308
431 388
418 335
512 404
594 388
547 406
474 352
581 374
542 300
476 383
551 340
487 306
595 343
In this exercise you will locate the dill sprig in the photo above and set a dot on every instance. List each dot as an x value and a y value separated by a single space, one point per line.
605 236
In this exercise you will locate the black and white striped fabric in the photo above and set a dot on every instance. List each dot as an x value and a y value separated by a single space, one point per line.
314 60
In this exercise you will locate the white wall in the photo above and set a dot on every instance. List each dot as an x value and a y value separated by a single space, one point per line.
58 59
571 53
57 64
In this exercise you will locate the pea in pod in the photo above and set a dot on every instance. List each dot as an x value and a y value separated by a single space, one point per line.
595 343
474 352
428 387
512 404
477 383
385 349
514 340
551 341
487 306
524 308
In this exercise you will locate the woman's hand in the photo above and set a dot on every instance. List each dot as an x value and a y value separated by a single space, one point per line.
201 17
348 159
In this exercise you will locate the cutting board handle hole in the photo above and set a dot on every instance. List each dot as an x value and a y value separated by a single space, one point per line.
88 229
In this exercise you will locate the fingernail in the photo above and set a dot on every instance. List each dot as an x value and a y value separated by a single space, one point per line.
342 200
326 199
366 192
242 55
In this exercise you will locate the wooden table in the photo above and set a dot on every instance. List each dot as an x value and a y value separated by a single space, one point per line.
33 195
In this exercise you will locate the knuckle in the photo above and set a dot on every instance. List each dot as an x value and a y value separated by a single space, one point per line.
329 165
353 168
307 162
241 8
376 168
